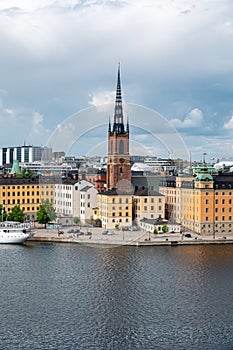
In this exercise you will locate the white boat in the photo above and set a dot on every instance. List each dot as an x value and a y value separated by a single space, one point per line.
14 232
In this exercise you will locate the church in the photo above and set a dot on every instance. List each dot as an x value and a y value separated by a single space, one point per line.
115 204
119 203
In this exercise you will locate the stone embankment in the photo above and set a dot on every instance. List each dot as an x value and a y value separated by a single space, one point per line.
94 236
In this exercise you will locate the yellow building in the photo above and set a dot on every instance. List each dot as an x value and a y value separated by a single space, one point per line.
203 203
115 210
148 204
28 193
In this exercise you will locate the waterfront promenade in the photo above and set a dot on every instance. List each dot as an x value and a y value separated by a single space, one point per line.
94 236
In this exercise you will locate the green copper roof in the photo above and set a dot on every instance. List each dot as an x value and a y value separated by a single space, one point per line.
15 168
204 177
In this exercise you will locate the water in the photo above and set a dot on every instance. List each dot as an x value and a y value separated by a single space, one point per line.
64 296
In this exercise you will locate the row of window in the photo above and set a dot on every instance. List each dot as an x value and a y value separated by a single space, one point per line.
22 201
219 219
145 208
28 193
28 209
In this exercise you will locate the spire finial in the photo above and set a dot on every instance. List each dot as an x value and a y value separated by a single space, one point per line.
118 125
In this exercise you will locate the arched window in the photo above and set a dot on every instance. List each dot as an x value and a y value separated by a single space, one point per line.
121 147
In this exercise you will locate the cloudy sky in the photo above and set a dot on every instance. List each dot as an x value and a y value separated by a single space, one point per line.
59 57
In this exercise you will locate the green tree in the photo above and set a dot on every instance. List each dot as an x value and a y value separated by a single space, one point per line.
26 173
16 214
155 231
3 215
164 228
76 220
46 213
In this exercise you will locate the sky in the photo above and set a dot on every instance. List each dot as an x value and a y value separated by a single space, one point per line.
58 70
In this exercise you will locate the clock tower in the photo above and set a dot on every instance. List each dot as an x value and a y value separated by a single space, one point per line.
119 167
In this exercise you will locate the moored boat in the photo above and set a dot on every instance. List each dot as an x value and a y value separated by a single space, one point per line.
14 232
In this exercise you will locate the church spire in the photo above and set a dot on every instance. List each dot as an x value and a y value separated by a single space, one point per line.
118 124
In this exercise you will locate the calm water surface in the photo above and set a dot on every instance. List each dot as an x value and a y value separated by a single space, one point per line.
64 296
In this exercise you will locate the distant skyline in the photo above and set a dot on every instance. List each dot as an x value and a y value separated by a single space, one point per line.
59 57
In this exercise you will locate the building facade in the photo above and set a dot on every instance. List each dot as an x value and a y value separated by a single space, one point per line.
24 154
201 203
147 204
28 193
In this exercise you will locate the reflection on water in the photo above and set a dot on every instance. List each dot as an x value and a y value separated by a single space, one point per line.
61 296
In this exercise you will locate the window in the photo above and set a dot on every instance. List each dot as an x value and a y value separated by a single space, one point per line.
206 210
152 207
223 218
216 201
121 147
206 219
223 201
229 201
216 210
223 210
207 201
145 200
207 193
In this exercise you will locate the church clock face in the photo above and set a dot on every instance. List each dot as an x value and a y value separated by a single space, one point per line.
122 160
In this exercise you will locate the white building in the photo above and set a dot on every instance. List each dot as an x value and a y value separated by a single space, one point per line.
75 199
88 201
63 198
150 225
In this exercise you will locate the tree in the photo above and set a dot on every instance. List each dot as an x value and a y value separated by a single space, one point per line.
26 173
16 214
76 220
46 213
3 215
155 231
164 228
50 210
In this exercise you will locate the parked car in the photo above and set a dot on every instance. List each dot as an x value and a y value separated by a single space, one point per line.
134 228
76 231
70 231
104 232
80 233
88 233
188 235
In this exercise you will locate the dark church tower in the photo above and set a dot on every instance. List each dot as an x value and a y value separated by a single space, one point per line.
119 167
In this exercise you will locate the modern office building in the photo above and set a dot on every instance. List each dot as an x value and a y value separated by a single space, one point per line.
24 154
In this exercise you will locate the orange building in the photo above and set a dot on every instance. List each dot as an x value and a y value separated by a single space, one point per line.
202 204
